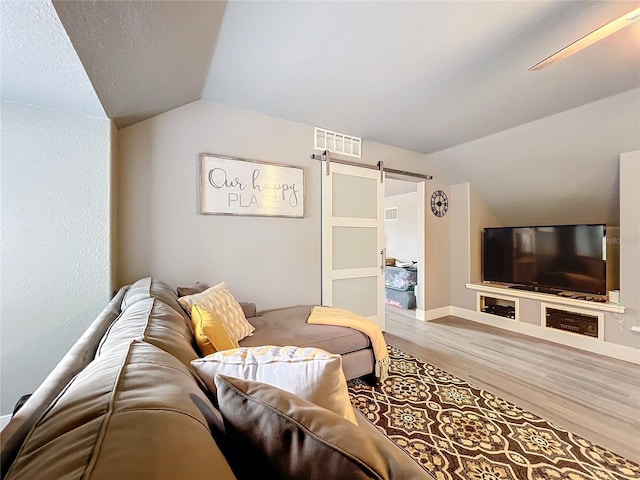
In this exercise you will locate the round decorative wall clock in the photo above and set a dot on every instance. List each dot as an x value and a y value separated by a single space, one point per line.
439 203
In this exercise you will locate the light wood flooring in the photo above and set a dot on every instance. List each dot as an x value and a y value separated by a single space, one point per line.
594 396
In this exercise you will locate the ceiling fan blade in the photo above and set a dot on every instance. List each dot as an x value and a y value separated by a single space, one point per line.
591 38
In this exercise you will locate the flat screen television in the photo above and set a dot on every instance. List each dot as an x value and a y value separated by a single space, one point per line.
558 258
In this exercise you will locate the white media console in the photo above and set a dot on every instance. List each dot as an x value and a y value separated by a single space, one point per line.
560 319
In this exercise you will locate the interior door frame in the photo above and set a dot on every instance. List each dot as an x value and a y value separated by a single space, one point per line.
421 212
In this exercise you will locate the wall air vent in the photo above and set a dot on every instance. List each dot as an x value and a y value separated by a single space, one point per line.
337 142
391 213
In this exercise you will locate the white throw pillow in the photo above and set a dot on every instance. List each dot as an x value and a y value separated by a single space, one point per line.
310 373
219 299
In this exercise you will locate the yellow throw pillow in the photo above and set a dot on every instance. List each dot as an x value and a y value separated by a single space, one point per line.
220 300
211 334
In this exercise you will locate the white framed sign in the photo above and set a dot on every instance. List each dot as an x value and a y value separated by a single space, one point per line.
233 186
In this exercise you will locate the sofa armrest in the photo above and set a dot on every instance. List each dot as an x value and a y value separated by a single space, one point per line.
79 356
249 309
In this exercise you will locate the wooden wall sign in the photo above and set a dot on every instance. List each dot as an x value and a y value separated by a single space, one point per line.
233 186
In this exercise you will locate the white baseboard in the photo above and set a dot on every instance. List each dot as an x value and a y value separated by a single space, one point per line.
428 315
621 352
4 419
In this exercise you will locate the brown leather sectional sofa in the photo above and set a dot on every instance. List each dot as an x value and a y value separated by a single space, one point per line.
125 402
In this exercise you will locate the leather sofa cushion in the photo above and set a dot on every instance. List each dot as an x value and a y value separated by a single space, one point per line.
313 443
155 322
134 412
288 326
152 288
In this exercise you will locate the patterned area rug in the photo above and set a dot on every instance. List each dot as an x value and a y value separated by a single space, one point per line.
457 431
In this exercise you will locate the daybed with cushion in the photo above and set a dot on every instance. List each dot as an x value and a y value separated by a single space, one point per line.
133 399
288 326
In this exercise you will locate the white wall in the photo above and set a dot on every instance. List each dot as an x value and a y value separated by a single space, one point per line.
401 235
629 252
469 217
460 246
438 244
55 239
272 261
481 216
560 169
544 172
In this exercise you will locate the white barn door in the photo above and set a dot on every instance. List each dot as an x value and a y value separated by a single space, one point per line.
353 240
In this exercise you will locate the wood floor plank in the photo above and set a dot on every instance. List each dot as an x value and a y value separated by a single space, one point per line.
591 395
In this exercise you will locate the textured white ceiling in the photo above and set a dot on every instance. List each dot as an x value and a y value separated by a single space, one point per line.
419 75
143 57
39 65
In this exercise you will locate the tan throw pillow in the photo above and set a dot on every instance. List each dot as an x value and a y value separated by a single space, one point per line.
218 299
287 437
310 373
210 332
197 288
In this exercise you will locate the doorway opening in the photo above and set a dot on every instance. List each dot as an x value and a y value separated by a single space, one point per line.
405 247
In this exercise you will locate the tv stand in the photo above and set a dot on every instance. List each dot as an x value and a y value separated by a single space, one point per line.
595 302
499 305
576 322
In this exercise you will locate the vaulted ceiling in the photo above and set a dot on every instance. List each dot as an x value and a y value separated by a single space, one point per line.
421 75
424 76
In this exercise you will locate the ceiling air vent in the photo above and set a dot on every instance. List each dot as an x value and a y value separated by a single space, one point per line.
337 142
391 213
